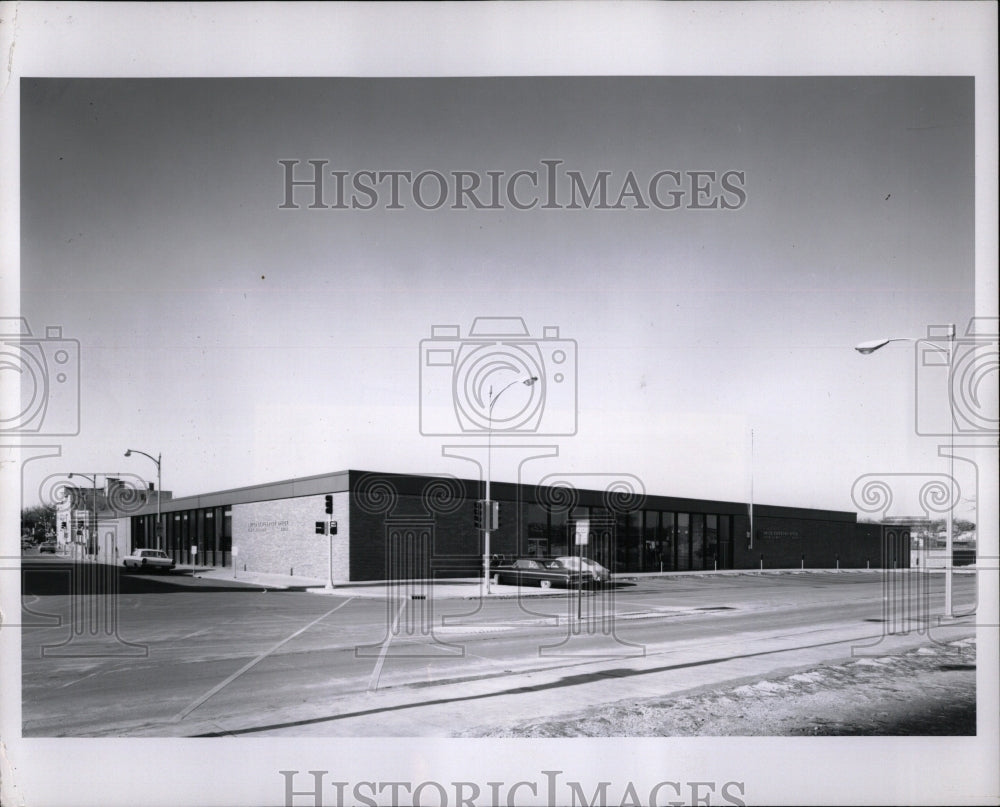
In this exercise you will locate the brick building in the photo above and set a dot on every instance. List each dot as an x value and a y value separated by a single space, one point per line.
372 526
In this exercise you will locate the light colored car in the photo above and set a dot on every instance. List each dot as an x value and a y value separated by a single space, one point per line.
592 570
544 572
149 559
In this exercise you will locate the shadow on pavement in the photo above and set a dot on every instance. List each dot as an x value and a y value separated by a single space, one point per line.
63 577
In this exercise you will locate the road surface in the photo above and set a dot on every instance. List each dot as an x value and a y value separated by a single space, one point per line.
178 656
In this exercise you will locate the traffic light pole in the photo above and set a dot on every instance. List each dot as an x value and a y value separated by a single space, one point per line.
328 528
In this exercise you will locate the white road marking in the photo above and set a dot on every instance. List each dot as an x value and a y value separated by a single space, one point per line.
377 672
188 709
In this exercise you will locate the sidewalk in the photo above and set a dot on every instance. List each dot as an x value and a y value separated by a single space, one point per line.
453 588
472 587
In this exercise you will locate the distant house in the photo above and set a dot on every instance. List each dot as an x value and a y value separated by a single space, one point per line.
87 519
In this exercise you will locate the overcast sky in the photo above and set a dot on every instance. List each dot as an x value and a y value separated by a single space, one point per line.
250 343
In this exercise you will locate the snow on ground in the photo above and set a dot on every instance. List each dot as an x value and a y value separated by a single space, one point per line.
927 691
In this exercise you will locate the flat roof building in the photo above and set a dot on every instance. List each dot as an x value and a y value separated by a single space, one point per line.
359 525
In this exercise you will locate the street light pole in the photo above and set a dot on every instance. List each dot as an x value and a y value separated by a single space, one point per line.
866 348
93 529
159 486
488 515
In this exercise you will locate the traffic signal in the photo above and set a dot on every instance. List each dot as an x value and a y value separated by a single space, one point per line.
495 515
477 515
329 504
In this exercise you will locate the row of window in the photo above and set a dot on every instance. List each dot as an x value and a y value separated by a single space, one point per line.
204 536
643 541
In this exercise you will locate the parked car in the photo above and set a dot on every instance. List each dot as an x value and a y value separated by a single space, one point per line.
150 560
48 546
592 570
544 572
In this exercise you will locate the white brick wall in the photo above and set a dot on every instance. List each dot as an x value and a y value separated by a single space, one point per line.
279 537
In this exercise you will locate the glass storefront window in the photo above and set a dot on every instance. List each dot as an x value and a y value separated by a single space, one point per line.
536 530
683 542
697 541
652 553
558 524
711 541
211 539
603 540
667 543
726 542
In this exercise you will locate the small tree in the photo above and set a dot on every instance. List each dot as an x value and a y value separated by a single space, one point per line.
38 521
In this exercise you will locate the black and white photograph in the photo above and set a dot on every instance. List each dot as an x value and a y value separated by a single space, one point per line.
499 404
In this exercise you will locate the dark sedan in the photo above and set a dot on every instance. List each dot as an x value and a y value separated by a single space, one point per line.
544 572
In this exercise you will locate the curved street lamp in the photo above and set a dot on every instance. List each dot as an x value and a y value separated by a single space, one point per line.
159 484
875 344
871 346
488 515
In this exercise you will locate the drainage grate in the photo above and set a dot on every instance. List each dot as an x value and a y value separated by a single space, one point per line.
715 608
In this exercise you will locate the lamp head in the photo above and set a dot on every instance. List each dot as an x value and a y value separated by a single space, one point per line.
870 347
128 453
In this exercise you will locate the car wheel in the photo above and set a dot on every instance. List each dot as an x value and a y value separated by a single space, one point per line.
546 583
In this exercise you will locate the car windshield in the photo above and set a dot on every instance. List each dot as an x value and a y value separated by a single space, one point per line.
575 562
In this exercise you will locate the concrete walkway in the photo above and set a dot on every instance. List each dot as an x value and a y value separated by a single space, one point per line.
472 587
452 588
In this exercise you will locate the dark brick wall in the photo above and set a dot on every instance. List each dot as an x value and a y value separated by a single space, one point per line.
413 540
792 543
423 527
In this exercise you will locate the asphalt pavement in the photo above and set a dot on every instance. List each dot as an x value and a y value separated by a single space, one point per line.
196 653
